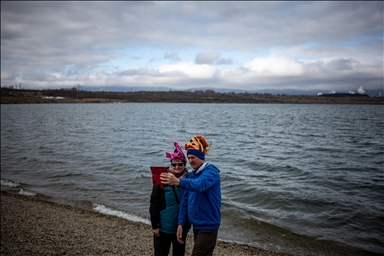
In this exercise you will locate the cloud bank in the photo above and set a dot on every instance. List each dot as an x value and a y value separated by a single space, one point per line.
242 45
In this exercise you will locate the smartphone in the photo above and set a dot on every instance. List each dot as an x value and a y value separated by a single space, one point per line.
156 171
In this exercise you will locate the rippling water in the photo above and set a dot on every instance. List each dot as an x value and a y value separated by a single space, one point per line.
291 174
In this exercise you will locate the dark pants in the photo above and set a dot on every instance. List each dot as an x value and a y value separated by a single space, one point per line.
162 244
205 242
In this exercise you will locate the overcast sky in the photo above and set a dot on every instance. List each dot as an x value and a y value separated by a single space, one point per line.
181 45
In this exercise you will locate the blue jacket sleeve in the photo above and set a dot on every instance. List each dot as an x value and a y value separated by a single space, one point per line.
203 181
183 212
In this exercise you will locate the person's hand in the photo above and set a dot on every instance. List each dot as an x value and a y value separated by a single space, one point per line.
156 232
179 234
169 179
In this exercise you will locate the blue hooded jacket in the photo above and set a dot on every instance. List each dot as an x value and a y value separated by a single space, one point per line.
201 199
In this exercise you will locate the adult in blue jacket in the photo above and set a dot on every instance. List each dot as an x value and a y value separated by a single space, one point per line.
201 201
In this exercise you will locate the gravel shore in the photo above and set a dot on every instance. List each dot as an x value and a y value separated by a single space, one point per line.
30 226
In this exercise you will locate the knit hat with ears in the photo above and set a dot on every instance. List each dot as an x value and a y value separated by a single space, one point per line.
177 153
198 146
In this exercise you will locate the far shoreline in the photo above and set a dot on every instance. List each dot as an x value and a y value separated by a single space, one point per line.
14 96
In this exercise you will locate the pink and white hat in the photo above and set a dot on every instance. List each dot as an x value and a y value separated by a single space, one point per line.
177 153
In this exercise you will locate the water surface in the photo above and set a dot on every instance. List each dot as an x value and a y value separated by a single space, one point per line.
291 174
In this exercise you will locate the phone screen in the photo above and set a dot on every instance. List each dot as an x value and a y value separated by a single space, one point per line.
156 171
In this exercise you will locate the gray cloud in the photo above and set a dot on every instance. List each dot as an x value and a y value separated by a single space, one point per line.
207 57
224 61
342 64
171 56
337 44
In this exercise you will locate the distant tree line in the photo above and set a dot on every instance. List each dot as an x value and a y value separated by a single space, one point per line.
75 95
161 96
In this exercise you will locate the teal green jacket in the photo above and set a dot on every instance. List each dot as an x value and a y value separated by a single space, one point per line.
164 208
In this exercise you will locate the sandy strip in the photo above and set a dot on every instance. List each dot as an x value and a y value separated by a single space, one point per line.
31 226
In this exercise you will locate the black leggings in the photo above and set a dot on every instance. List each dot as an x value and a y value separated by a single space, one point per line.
162 244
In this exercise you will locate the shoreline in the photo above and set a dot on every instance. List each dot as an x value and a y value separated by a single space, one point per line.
36 226
31 226
11 96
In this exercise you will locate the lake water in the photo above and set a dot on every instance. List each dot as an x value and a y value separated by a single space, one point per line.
301 179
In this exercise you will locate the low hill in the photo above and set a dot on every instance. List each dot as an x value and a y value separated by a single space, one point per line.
14 96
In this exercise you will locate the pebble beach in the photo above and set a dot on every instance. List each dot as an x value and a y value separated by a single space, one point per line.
31 226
